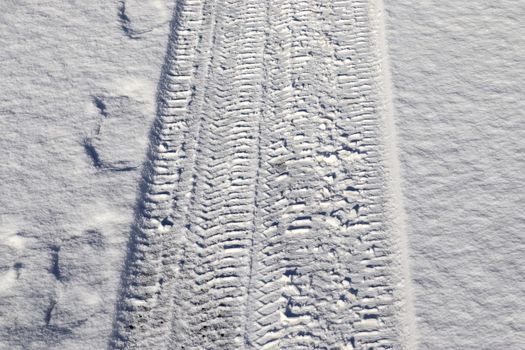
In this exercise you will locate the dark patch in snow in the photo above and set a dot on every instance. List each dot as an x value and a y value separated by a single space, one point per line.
49 311
92 153
120 169
125 23
167 222
97 162
291 272
101 106
55 262
18 266
370 317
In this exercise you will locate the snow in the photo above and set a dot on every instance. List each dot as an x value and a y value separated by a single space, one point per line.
459 108
78 93
64 223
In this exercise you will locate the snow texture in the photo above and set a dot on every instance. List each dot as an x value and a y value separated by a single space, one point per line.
264 219
76 104
458 71
227 174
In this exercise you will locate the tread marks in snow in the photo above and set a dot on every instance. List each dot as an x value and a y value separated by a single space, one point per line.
210 314
144 311
319 277
262 221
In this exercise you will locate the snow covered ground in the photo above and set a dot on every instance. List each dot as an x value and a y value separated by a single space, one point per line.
271 211
458 72
76 104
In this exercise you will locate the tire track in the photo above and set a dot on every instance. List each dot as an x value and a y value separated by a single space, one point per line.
144 311
215 275
322 276
263 218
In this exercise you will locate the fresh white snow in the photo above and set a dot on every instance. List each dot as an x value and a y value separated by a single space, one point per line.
458 90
